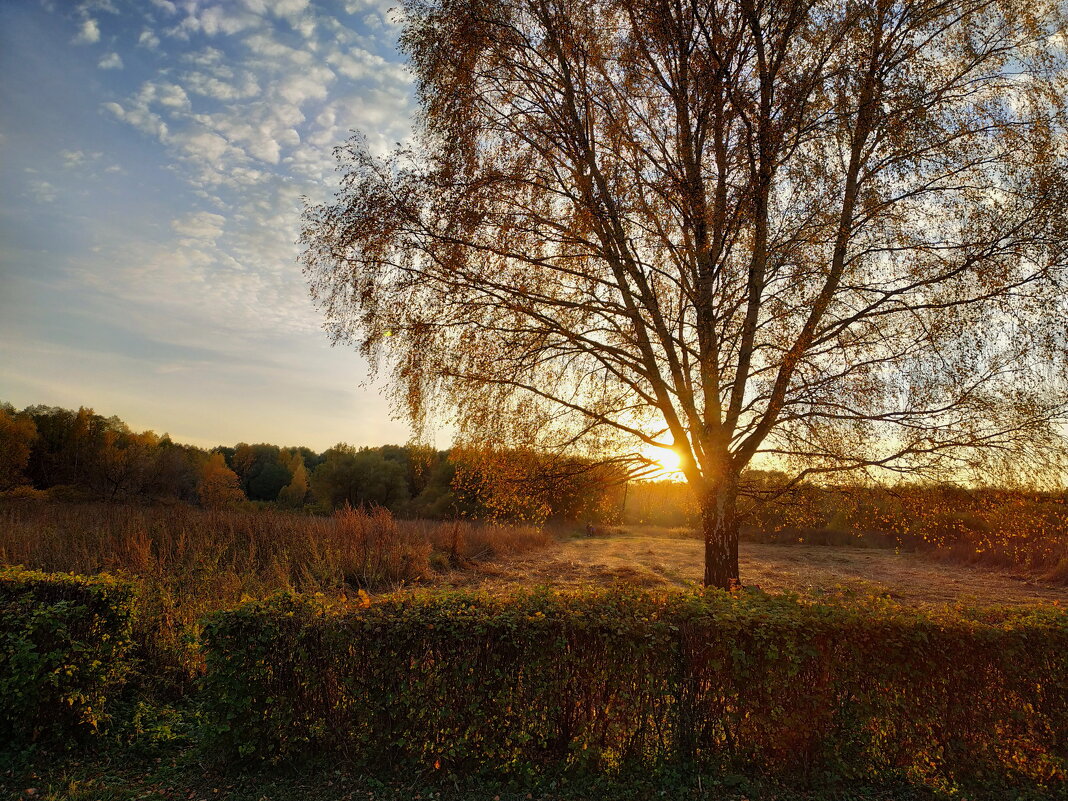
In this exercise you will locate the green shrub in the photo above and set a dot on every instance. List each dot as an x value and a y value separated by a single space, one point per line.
462 683
64 645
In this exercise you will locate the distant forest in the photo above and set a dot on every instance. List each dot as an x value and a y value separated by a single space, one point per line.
61 454
54 454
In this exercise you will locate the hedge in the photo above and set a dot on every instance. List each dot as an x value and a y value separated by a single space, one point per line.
64 653
464 683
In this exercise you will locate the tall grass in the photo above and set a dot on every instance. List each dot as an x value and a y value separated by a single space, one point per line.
998 528
189 561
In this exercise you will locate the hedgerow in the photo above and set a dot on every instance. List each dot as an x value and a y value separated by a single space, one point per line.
64 653
752 683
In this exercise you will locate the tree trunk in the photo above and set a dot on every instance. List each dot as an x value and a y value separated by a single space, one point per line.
719 521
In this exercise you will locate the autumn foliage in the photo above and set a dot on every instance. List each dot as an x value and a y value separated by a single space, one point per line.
993 526
65 652
50 453
218 486
186 562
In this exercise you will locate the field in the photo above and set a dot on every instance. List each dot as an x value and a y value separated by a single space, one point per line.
667 559
189 562
201 560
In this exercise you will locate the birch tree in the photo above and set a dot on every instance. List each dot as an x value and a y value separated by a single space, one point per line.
826 235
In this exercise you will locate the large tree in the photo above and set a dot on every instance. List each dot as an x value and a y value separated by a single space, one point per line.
823 234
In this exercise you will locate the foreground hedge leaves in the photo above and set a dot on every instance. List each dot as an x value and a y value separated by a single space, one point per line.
750 683
64 647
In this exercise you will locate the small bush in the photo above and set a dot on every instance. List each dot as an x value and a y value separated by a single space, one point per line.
464 541
377 551
754 684
64 646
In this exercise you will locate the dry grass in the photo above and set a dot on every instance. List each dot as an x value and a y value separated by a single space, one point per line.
998 528
190 561
264 550
665 559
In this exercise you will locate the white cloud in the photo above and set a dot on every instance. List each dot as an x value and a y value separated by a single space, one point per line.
199 227
215 20
204 146
148 40
250 122
266 45
73 159
278 8
98 5
171 95
358 7
42 191
88 33
262 103
226 91
297 89
205 57
305 26
111 61
288 8
377 15
245 105
140 117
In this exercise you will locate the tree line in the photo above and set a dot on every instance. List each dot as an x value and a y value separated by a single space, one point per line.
64 454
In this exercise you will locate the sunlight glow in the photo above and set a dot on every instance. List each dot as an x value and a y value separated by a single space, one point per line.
667 459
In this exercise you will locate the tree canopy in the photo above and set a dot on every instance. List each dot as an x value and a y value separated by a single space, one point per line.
828 234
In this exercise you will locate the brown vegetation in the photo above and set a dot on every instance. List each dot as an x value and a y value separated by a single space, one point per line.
1025 531
668 559
191 561
49 453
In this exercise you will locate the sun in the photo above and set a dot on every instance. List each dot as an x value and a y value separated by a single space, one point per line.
665 457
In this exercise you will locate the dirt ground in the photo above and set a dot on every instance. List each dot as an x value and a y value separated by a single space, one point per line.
666 561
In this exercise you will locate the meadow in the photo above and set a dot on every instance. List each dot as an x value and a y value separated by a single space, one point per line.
661 559
1012 530
204 621
189 562
786 251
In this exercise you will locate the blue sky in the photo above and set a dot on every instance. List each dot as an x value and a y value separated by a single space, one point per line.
153 156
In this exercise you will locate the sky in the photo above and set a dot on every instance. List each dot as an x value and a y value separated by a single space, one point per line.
153 159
